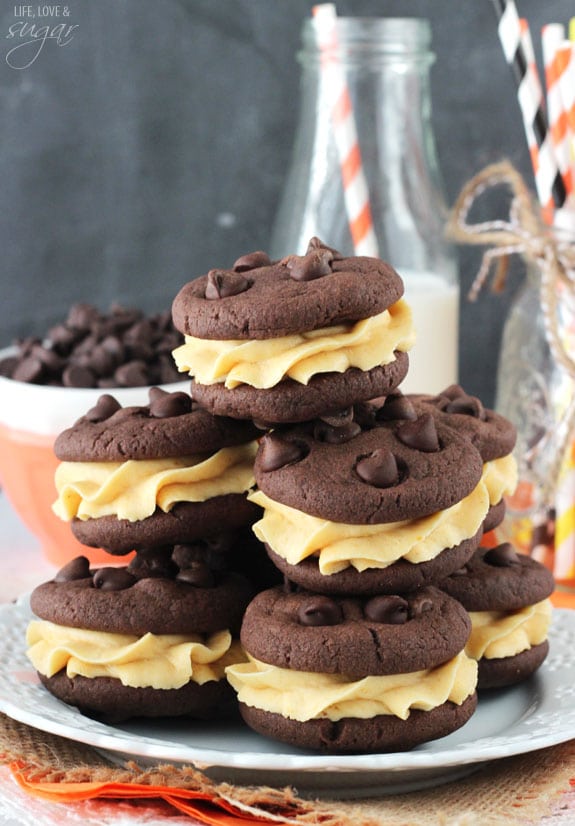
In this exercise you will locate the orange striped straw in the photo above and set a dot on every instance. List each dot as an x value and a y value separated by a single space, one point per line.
514 38
356 193
565 61
552 37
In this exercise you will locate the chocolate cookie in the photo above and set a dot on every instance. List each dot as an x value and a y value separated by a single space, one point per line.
290 401
285 341
157 474
491 434
351 506
401 576
185 522
141 640
340 469
506 595
261 299
171 425
326 673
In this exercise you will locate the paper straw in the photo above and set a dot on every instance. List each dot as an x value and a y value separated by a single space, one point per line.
552 37
565 60
564 556
548 181
356 193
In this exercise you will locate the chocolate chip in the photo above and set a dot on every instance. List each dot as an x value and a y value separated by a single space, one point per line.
166 405
463 571
198 575
213 552
502 556
378 469
29 370
320 610
81 316
153 563
311 266
276 452
396 406
113 579
105 407
132 374
76 375
339 418
114 346
77 568
62 338
102 361
453 391
468 406
391 610
252 261
316 243
420 434
420 604
224 283
323 432
49 358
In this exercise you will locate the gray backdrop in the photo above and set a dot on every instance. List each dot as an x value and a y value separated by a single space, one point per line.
150 143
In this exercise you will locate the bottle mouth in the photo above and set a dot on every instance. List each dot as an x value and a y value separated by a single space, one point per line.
382 39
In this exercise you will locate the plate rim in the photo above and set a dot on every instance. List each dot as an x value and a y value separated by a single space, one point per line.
132 745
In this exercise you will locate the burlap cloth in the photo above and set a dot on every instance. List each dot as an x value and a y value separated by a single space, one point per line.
519 789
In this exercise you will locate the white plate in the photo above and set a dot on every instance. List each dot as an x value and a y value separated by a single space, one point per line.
535 714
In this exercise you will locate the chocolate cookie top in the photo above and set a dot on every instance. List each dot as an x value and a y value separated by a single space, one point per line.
358 637
492 434
179 595
170 425
368 472
261 299
499 579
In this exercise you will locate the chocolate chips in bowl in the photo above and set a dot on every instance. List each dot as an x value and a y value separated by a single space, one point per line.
47 383
121 348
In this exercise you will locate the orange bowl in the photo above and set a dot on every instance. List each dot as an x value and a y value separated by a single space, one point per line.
31 416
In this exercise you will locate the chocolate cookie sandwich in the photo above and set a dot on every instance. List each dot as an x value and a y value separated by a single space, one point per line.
159 474
351 507
288 340
492 434
119 643
349 674
507 597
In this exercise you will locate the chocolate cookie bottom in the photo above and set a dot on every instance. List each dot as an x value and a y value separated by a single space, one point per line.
400 576
185 522
495 516
290 401
107 699
507 671
383 733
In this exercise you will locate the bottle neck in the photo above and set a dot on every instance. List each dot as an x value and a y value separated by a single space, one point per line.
369 42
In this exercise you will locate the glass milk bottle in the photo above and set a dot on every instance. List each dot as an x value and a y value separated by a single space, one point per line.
385 63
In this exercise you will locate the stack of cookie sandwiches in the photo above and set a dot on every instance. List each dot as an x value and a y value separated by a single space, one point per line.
380 614
369 500
169 482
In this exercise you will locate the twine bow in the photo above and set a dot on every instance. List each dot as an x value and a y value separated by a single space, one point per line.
551 250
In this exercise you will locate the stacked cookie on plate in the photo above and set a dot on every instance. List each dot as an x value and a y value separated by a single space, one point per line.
370 499
151 638
371 506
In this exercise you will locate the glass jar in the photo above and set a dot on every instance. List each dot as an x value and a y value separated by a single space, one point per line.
536 393
386 64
